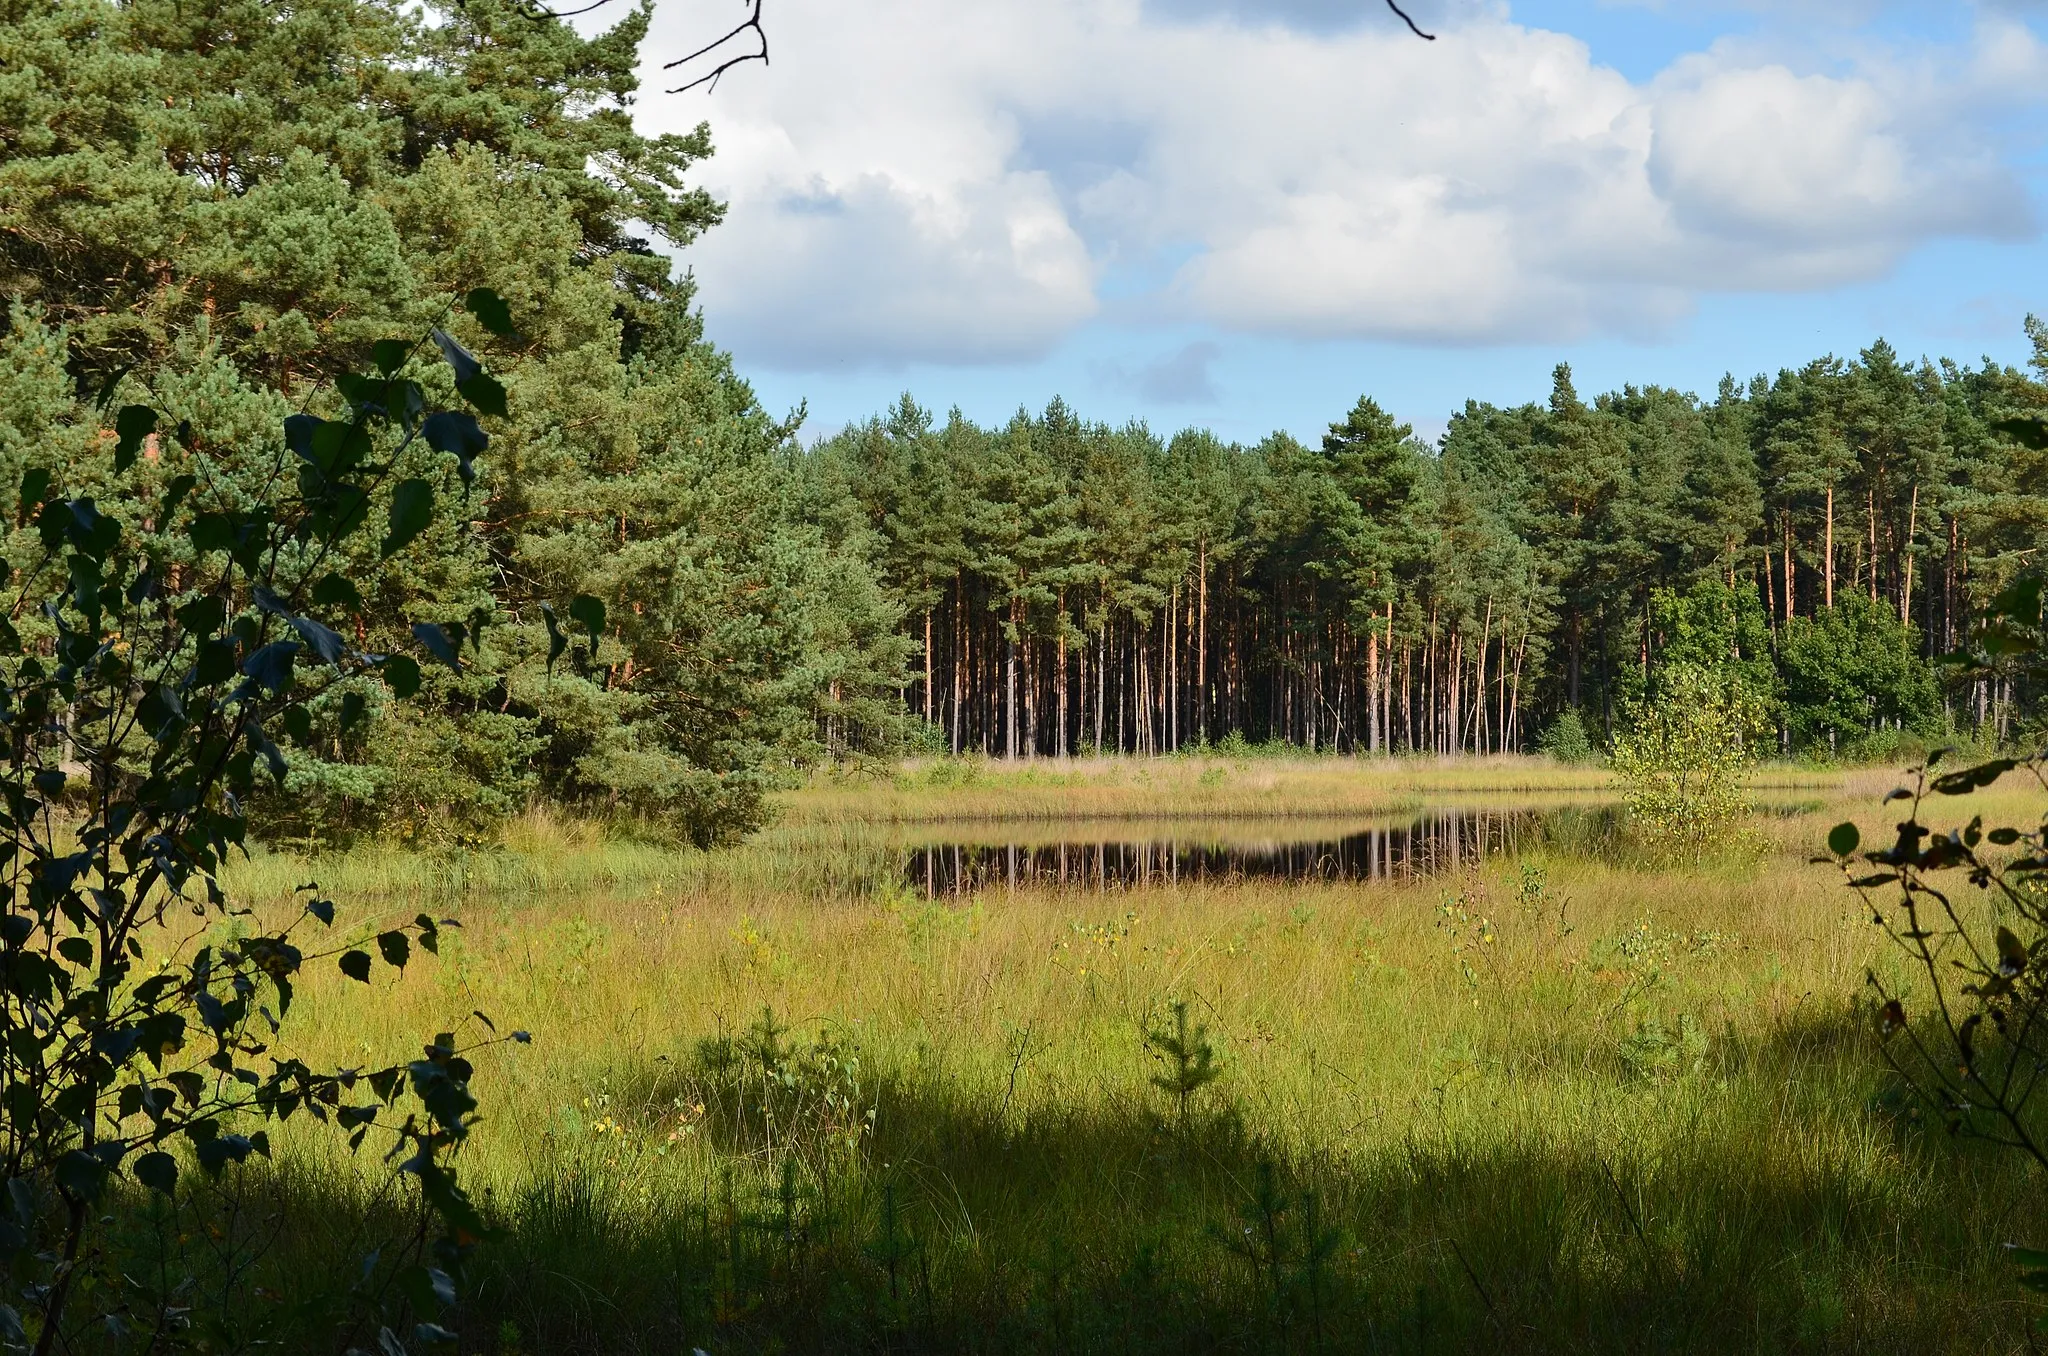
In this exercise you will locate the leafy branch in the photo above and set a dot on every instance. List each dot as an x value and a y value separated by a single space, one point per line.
154 659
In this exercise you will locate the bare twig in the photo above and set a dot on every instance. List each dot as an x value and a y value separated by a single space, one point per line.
1426 37
753 22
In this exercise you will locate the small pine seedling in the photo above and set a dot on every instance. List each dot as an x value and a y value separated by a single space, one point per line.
1189 1059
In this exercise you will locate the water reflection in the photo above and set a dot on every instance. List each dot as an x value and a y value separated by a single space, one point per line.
1404 850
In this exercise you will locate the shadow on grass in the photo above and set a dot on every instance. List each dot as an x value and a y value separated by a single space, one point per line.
1771 1220
957 1228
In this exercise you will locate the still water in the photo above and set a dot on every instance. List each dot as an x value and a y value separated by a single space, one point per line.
1116 858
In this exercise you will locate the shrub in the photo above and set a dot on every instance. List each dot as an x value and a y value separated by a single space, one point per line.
1967 910
167 644
1682 754
1565 738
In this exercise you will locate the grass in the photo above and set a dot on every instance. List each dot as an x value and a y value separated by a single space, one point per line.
1567 1103
1190 786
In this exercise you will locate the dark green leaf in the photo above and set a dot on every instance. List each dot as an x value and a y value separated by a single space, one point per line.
299 431
203 616
459 358
158 1171
401 674
1843 838
324 640
484 392
215 1154
491 311
412 508
2027 431
557 642
335 590
134 423
590 612
2012 956
427 1287
389 355
453 432
82 1174
35 484
111 385
213 532
353 706
1966 780
356 965
216 662
271 666
443 642
396 948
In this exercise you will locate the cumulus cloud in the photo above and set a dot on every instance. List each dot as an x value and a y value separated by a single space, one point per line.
915 181
883 270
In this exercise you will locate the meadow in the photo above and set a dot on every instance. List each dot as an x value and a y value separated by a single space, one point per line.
1573 1099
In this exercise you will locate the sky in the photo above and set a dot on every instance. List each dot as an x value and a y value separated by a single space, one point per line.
1244 214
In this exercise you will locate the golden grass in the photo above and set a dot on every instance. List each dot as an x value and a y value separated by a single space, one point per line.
1203 786
1585 1106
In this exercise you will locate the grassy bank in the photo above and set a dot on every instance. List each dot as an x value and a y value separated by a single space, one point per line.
1569 1103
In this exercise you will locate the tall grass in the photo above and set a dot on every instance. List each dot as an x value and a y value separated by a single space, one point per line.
1565 1103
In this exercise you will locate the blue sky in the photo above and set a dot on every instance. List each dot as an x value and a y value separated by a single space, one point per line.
1243 214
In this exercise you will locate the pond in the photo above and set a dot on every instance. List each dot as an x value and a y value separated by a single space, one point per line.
1120 854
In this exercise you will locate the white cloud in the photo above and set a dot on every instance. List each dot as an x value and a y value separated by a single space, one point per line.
921 181
876 269
1764 157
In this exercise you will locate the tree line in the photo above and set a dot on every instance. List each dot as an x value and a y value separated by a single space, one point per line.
1826 533
216 210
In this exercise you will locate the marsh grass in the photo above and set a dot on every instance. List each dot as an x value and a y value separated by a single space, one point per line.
1570 1102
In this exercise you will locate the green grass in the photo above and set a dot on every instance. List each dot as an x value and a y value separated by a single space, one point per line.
1634 1109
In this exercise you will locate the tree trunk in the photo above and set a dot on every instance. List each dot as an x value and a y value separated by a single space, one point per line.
1906 565
1515 699
1101 674
1785 521
1577 650
960 659
1479 689
1948 590
1828 553
1170 669
1202 646
1372 690
1060 743
1010 686
1770 592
